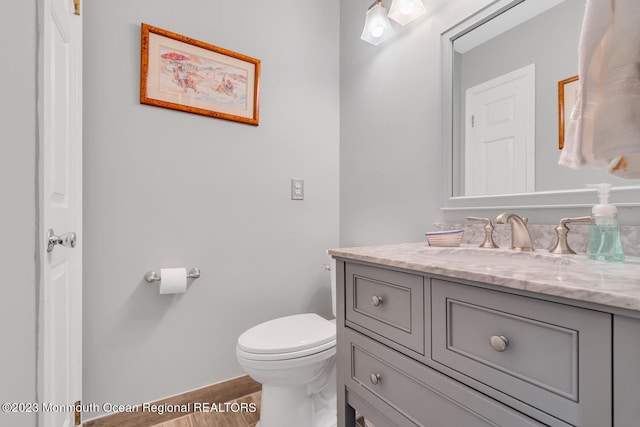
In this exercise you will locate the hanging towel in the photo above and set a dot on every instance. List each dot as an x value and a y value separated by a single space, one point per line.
604 128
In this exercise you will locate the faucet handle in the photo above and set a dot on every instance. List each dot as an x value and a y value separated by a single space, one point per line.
562 230
488 232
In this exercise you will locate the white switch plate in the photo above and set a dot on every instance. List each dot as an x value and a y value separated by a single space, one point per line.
297 189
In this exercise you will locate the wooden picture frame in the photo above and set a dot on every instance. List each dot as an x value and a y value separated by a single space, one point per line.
567 97
188 75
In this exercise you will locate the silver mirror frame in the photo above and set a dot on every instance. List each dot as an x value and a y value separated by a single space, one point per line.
628 196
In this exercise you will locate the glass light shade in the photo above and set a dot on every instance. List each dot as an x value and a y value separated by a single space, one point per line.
377 27
405 11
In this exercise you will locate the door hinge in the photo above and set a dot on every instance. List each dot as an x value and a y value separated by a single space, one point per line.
473 121
76 5
76 414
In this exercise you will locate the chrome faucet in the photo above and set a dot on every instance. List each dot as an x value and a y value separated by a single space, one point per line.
520 237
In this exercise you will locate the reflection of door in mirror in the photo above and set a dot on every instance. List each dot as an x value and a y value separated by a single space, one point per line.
503 36
500 134
543 32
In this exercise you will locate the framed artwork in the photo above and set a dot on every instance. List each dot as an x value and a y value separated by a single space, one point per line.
567 97
188 75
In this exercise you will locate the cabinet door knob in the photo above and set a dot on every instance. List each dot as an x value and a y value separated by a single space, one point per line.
375 378
499 342
376 300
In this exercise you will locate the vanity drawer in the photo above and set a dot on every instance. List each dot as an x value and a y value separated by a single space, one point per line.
387 304
555 357
424 396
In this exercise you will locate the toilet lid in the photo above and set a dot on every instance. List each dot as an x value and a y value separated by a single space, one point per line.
288 335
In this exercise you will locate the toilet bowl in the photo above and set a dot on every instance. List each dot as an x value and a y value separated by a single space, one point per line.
293 357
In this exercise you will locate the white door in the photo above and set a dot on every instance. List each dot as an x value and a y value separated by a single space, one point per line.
500 135
60 205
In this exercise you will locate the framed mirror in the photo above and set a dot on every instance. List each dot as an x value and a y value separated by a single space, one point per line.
501 72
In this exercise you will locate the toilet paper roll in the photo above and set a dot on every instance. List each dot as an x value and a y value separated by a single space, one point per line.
173 280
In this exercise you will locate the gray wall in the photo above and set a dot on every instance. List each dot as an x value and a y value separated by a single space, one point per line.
17 186
390 125
165 188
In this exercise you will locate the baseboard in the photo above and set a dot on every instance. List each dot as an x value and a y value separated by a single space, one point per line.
216 393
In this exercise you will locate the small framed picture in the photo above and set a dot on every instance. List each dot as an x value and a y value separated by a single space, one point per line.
188 75
567 97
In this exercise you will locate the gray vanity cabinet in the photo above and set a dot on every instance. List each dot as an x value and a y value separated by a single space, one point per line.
424 396
555 357
626 371
387 305
418 350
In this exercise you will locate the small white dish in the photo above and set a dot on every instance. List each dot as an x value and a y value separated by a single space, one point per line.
444 238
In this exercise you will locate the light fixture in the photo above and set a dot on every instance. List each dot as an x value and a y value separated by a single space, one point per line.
377 27
405 11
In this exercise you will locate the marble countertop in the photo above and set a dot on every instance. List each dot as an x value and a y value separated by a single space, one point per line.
569 276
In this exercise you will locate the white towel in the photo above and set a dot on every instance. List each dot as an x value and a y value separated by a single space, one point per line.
604 128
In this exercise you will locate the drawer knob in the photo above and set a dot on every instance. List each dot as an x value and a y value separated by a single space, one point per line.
376 300
375 378
499 343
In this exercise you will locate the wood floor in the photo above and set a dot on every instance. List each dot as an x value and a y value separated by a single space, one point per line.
221 418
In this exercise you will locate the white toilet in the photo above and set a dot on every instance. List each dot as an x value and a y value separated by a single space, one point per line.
293 358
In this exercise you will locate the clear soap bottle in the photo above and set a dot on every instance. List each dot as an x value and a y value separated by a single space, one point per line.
604 235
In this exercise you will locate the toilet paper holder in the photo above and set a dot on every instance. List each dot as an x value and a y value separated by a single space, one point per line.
152 276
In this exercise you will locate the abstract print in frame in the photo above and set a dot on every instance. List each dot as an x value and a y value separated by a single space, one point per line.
184 74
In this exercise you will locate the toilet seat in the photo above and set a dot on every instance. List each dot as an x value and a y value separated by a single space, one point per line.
288 337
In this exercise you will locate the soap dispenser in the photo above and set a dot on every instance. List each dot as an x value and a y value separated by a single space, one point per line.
604 234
